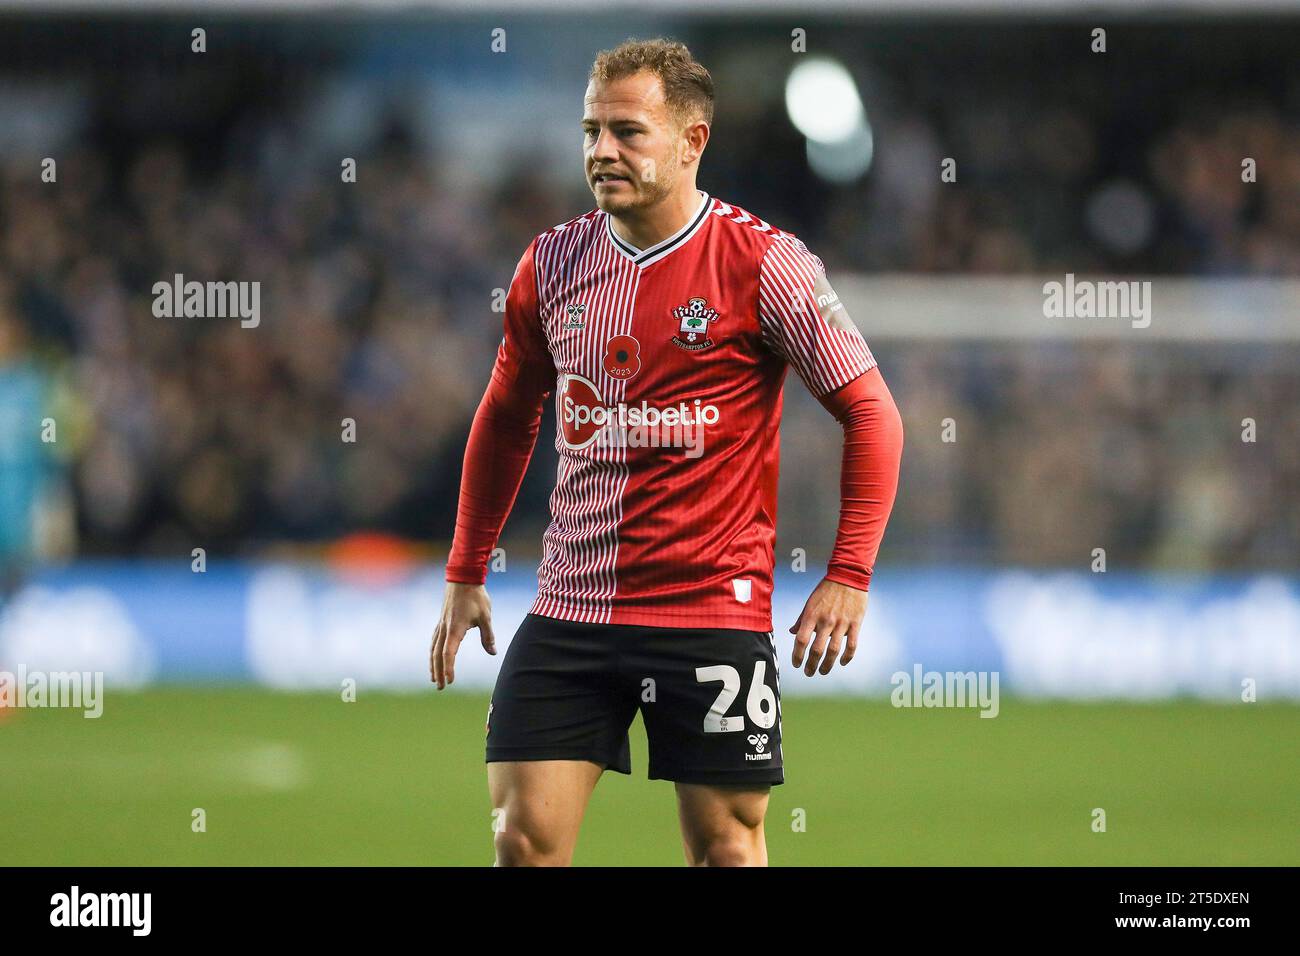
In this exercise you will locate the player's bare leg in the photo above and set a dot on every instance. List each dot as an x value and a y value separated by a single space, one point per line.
538 806
723 826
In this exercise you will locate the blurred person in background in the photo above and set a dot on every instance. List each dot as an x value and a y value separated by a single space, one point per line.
27 466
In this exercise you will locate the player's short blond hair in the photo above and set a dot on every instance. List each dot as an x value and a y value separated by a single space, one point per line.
688 87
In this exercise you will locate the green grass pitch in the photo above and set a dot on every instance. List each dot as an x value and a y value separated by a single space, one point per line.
287 779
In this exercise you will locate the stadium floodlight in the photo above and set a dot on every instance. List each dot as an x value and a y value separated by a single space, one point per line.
823 101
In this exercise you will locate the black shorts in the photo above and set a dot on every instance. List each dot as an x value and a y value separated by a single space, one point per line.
710 699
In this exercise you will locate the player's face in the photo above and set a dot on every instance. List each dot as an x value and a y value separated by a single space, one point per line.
631 143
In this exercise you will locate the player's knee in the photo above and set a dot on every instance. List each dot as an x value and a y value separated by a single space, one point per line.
733 849
517 846
735 841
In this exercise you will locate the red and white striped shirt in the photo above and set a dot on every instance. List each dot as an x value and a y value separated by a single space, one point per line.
667 365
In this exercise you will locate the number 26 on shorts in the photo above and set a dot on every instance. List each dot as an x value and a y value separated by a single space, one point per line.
760 702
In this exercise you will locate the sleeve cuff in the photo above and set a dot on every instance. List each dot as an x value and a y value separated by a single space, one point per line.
464 575
849 577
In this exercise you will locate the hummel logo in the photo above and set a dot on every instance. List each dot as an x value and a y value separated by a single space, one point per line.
575 317
759 743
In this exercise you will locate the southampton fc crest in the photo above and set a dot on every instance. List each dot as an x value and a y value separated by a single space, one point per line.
693 328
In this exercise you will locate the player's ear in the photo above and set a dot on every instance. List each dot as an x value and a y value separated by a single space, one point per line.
696 136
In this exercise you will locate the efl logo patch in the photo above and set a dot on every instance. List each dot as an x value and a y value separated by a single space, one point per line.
693 325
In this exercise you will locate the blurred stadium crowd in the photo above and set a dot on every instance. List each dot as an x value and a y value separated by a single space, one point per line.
376 301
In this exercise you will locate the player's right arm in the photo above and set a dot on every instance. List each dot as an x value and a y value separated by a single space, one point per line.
501 442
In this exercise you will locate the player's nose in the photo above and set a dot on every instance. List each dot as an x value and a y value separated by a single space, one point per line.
605 149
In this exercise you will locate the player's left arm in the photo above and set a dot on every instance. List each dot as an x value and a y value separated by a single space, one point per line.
803 319
873 448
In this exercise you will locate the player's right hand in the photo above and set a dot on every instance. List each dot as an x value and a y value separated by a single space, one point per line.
463 606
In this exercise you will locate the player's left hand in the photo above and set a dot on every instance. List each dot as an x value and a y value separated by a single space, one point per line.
830 622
